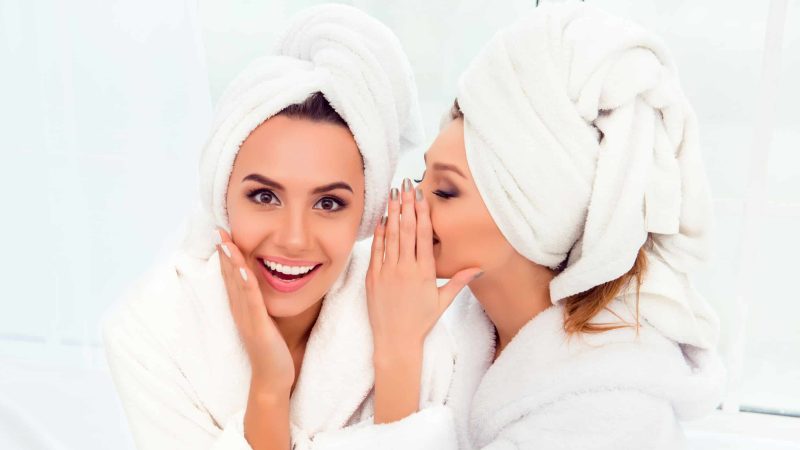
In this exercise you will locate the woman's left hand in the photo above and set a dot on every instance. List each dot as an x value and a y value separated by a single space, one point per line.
404 302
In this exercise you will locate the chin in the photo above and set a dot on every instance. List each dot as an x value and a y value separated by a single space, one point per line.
285 306
444 269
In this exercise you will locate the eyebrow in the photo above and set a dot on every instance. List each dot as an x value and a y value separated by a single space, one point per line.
274 184
443 166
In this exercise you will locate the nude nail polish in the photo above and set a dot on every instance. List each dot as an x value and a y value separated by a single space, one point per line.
244 274
225 250
407 185
394 193
419 194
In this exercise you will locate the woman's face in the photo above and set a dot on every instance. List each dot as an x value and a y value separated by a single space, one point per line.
464 233
295 200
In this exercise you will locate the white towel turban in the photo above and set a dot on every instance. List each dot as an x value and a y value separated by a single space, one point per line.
358 65
581 143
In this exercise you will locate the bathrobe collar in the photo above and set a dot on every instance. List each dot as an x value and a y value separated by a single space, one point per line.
336 374
542 365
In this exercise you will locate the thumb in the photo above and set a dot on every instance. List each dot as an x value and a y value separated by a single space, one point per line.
449 291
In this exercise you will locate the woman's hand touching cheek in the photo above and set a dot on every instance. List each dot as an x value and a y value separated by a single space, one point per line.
266 421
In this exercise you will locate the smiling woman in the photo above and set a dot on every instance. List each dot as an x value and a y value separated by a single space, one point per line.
295 171
294 227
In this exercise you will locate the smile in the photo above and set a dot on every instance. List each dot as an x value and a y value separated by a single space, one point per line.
284 276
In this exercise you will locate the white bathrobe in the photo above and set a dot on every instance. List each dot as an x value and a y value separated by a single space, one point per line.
619 389
183 374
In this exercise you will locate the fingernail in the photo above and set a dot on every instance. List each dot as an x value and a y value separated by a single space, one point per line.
419 194
225 250
244 274
406 185
394 193
217 237
476 276
383 220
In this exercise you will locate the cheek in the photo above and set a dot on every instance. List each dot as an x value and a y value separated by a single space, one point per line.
247 229
469 238
337 237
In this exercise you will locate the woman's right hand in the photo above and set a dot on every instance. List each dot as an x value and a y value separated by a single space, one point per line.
266 419
270 359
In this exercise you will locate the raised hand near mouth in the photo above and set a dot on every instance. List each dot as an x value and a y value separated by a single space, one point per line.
404 301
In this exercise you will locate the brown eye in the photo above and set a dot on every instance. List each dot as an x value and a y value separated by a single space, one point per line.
329 204
263 197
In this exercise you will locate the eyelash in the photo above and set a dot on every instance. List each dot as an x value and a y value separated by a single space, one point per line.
443 194
253 195
439 193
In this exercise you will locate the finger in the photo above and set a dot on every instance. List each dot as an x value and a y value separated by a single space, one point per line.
391 242
424 233
231 260
222 236
376 255
449 291
253 300
408 223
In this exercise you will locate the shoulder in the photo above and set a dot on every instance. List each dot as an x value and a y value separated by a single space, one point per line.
145 303
544 366
165 306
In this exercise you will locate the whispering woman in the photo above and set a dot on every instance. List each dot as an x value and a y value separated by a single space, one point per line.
569 175
256 334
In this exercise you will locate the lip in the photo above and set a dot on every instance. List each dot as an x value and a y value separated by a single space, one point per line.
290 262
283 285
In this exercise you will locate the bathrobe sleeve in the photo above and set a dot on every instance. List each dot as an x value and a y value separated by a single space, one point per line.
162 409
600 420
430 428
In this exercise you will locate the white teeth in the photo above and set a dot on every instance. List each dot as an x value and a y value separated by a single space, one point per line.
288 270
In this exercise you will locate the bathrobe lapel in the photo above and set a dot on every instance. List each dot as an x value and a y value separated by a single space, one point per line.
542 365
336 375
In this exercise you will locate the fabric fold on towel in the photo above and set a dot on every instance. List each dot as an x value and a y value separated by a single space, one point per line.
572 106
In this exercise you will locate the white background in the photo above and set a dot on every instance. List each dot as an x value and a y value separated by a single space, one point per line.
104 105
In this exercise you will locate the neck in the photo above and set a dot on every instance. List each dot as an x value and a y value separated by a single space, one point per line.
513 294
296 329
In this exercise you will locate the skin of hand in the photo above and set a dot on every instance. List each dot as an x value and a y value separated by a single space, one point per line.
404 301
266 420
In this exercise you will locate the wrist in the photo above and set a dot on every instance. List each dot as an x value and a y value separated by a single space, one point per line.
397 355
264 392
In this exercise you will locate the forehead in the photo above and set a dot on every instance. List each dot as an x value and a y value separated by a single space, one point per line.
301 150
449 146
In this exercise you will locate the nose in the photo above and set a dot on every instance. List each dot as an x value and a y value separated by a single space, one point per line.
293 233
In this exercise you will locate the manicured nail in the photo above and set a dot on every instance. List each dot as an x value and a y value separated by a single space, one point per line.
225 250
244 274
407 185
394 193
476 276
217 237
419 194
383 220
